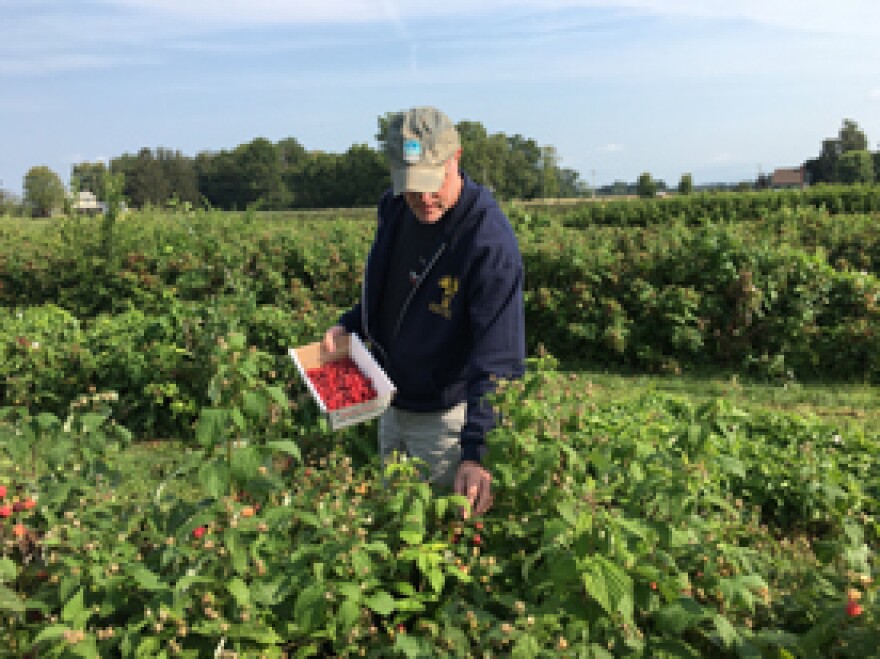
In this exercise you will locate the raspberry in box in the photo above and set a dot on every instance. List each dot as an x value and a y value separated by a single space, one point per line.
313 355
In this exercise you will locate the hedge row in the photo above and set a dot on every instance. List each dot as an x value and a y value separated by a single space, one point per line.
796 296
704 207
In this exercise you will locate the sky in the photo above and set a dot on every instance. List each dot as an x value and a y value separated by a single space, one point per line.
724 90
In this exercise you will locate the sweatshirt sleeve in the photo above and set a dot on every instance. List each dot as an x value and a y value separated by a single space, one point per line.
496 308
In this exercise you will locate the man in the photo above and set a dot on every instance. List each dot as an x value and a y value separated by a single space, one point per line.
441 305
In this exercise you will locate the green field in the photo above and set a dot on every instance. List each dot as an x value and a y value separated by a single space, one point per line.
688 469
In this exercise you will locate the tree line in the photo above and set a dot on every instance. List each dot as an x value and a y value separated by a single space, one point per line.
285 175
845 159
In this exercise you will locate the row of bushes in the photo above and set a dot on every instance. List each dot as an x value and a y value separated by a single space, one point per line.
705 297
704 207
142 320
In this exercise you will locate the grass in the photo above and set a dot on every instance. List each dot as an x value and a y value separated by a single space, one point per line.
850 406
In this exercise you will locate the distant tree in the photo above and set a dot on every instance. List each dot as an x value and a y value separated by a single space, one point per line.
824 168
549 172
43 191
821 169
291 153
523 169
571 185
259 175
855 167
686 184
314 184
851 137
180 176
646 187
157 176
88 176
482 157
145 180
9 204
362 177
618 188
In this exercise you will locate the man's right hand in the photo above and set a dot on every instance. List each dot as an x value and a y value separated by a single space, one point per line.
330 337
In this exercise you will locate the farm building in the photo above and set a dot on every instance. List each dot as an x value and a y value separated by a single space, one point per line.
789 177
87 202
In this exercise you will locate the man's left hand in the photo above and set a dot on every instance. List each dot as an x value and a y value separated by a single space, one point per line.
474 482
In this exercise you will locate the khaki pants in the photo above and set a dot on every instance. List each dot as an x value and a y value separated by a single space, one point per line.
434 437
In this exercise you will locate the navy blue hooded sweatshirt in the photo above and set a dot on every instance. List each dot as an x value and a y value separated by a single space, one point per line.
463 322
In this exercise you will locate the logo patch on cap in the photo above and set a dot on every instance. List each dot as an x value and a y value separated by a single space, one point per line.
412 151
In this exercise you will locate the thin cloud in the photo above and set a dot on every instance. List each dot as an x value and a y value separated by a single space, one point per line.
611 148
874 94
857 17
721 159
43 63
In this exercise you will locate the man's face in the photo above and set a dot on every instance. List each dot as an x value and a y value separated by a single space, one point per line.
430 206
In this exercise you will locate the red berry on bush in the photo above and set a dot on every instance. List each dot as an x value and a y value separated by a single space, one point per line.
2 491
5 511
853 609
198 532
477 539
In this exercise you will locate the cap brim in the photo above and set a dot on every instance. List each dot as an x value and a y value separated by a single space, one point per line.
415 178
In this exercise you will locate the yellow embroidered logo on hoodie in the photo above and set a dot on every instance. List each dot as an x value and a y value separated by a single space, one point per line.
449 286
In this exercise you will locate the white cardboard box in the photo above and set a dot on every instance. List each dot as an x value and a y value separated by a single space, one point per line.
314 355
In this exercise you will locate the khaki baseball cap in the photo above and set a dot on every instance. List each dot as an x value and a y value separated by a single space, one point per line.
418 144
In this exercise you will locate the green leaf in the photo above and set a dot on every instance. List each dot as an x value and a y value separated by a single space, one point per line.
254 404
680 615
8 570
91 421
412 646
413 530
286 446
526 647
347 616
436 579
239 590
74 608
609 585
214 478
308 611
47 421
237 552
278 396
567 511
731 465
211 426
381 602
726 631
51 633
145 578
9 601
255 631
245 462
238 419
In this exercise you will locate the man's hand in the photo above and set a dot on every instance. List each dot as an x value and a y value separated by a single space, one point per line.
330 337
474 482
